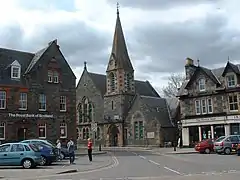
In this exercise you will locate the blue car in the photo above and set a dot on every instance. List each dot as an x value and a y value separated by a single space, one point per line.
48 152
64 152
19 154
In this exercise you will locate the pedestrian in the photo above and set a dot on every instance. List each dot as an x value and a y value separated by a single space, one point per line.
90 149
71 148
59 149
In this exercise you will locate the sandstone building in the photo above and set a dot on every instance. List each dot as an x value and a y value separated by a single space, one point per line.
37 95
127 111
209 102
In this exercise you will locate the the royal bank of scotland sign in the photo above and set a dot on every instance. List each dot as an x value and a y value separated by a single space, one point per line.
17 115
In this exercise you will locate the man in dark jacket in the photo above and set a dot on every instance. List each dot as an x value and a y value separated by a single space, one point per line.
71 149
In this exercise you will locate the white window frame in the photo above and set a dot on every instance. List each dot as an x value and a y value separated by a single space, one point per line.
3 99
42 100
3 125
209 105
18 72
50 76
42 126
198 106
202 84
231 82
204 106
63 126
22 101
55 77
235 110
63 103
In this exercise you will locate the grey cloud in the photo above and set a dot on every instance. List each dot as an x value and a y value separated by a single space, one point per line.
77 41
169 44
160 4
12 36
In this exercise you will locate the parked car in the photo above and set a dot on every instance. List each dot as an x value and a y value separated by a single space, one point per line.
205 146
20 154
224 145
238 149
48 152
64 152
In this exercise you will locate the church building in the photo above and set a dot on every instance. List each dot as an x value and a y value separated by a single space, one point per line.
126 111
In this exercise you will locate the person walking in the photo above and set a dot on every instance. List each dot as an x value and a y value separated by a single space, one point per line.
90 149
59 149
71 149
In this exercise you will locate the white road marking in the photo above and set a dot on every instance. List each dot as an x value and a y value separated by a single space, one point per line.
151 161
142 157
172 170
135 153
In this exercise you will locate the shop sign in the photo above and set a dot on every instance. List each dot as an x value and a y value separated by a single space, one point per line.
26 115
204 120
236 117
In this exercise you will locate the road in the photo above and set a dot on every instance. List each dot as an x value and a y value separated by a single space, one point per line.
141 165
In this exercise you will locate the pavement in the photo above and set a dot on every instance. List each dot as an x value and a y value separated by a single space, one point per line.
140 164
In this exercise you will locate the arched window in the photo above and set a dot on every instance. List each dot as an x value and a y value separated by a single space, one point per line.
112 81
84 133
90 112
80 114
85 109
98 133
127 80
87 133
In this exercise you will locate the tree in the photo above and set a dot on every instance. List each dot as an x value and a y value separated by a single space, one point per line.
174 83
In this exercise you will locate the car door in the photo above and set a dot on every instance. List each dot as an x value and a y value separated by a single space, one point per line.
4 150
16 153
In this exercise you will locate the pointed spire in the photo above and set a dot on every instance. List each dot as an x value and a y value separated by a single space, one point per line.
85 65
228 58
198 62
119 51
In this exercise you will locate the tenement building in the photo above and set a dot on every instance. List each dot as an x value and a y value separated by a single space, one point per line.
37 95
209 101
127 111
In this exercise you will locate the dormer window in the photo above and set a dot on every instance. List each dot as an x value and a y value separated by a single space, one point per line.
50 76
55 77
231 80
201 84
15 70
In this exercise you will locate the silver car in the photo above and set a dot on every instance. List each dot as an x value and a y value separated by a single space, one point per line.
224 144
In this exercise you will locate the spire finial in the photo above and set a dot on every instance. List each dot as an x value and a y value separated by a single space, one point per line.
85 65
228 58
198 62
118 8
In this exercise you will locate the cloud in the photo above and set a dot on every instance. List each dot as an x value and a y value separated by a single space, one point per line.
160 4
168 45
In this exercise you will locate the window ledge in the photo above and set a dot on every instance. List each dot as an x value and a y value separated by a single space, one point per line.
2 138
42 110
63 137
22 109
42 137
3 108
233 110
63 110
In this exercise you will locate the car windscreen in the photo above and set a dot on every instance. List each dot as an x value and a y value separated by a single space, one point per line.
220 139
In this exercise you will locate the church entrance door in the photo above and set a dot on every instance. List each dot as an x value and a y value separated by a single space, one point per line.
113 133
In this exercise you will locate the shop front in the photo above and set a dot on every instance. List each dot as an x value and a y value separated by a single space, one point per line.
195 130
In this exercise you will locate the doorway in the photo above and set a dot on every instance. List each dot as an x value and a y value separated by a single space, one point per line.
113 135
22 134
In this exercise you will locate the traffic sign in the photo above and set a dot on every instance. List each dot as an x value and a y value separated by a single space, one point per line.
94 127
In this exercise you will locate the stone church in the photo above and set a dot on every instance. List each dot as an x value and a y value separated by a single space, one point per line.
127 111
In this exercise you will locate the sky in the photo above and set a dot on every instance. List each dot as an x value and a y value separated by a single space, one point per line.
160 34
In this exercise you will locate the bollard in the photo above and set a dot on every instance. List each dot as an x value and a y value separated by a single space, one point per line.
99 147
174 148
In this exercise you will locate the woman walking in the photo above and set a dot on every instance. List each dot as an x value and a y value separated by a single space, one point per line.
59 149
90 149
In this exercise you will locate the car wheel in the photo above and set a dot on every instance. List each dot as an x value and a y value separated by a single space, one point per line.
62 156
43 161
207 151
27 164
227 151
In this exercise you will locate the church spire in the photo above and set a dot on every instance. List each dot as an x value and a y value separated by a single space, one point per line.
119 52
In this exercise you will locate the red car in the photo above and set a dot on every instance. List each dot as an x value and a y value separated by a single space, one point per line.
205 146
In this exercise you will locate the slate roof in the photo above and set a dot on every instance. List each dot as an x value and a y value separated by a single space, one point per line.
142 87
214 74
159 109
